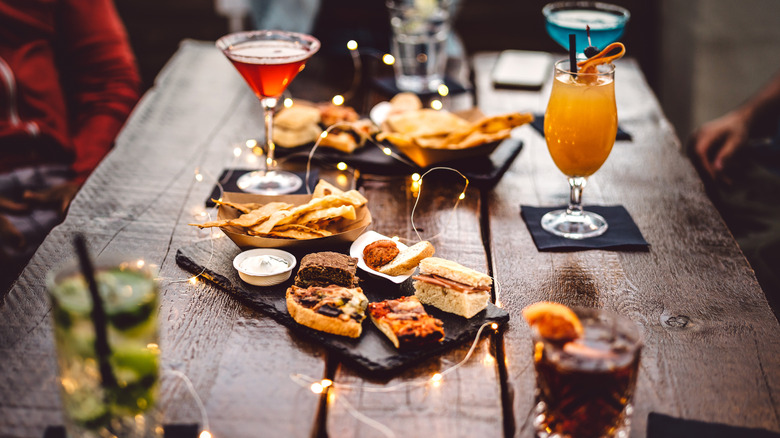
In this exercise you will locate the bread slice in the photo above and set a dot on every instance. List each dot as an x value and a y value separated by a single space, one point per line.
408 259
449 300
454 271
329 324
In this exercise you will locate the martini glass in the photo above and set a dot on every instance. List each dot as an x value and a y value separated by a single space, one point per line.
579 126
268 60
607 23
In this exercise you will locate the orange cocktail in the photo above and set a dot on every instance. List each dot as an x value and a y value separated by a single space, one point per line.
580 126
581 122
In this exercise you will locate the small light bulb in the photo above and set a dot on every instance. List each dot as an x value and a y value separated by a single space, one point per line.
338 100
352 45
251 143
436 104
462 196
324 134
288 102
494 326
415 177
237 152
341 165
205 434
387 151
198 177
193 280
316 388
140 264
326 383
436 377
443 90
388 59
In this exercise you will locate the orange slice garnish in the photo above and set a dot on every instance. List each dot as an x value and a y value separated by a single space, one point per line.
553 321
589 65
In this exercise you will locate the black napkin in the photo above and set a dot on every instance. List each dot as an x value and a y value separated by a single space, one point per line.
229 178
386 86
622 234
538 124
664 426
171 431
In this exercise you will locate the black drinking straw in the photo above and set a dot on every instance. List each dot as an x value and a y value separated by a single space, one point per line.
99 320
572 53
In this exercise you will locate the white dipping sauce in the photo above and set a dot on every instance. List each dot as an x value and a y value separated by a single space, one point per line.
264 265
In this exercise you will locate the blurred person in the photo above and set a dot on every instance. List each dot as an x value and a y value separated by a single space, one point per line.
68 81
739 156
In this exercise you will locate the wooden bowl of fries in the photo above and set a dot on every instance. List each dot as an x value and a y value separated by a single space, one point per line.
325 218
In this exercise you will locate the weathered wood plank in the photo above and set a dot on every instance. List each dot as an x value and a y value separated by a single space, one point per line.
139 201
694 274
465 403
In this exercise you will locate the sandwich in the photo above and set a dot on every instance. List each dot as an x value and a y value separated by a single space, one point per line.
452 287
408 259
331 309
406 323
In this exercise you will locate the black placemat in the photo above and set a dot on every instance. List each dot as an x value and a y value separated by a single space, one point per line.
372 352
538 124
170 431
622 234
229 180
386 85
664 426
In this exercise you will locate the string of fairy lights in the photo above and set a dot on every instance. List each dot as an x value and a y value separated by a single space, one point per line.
326 387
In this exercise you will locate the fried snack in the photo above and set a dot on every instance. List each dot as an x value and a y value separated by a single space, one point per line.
290 138
297 117
403 102
320 217
250 219
426 122
380 253
330 113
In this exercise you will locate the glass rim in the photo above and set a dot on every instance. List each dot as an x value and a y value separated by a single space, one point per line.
559 69
623 13
226 41
72 266
629 327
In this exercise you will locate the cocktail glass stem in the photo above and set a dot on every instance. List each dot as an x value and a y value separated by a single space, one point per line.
269 108
576 184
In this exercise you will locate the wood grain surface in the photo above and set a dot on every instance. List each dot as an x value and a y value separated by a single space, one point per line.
711 342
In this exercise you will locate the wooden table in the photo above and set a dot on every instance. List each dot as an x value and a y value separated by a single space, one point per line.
712 345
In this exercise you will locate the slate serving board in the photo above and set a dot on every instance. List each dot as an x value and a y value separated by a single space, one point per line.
484 171
372 353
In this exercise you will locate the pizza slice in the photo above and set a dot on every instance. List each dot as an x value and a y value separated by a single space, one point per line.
406 323
331 309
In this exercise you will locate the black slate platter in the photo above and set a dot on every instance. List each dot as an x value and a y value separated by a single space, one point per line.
372 352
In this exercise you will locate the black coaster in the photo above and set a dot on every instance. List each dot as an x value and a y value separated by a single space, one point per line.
171 431
229 178
622 234
386 85
538 124
664 426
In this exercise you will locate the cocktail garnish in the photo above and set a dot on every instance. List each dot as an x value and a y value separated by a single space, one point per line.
553 321
610 53
591 50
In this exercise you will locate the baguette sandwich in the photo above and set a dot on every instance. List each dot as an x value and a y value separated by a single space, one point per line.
452 287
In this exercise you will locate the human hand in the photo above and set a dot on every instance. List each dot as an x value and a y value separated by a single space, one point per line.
716 142
59 195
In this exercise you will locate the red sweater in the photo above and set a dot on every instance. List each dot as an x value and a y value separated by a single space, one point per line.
68 81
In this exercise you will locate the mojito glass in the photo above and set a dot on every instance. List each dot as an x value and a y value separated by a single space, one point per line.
124 406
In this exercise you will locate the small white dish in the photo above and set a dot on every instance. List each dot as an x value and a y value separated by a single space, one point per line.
260 279
378 114
356 251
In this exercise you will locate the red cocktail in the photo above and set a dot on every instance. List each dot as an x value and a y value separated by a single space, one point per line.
268 60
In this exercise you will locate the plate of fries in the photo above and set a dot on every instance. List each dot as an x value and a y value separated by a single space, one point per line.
429 136
328 216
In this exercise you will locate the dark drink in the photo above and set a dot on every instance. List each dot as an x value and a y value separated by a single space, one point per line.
585 386
268 66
